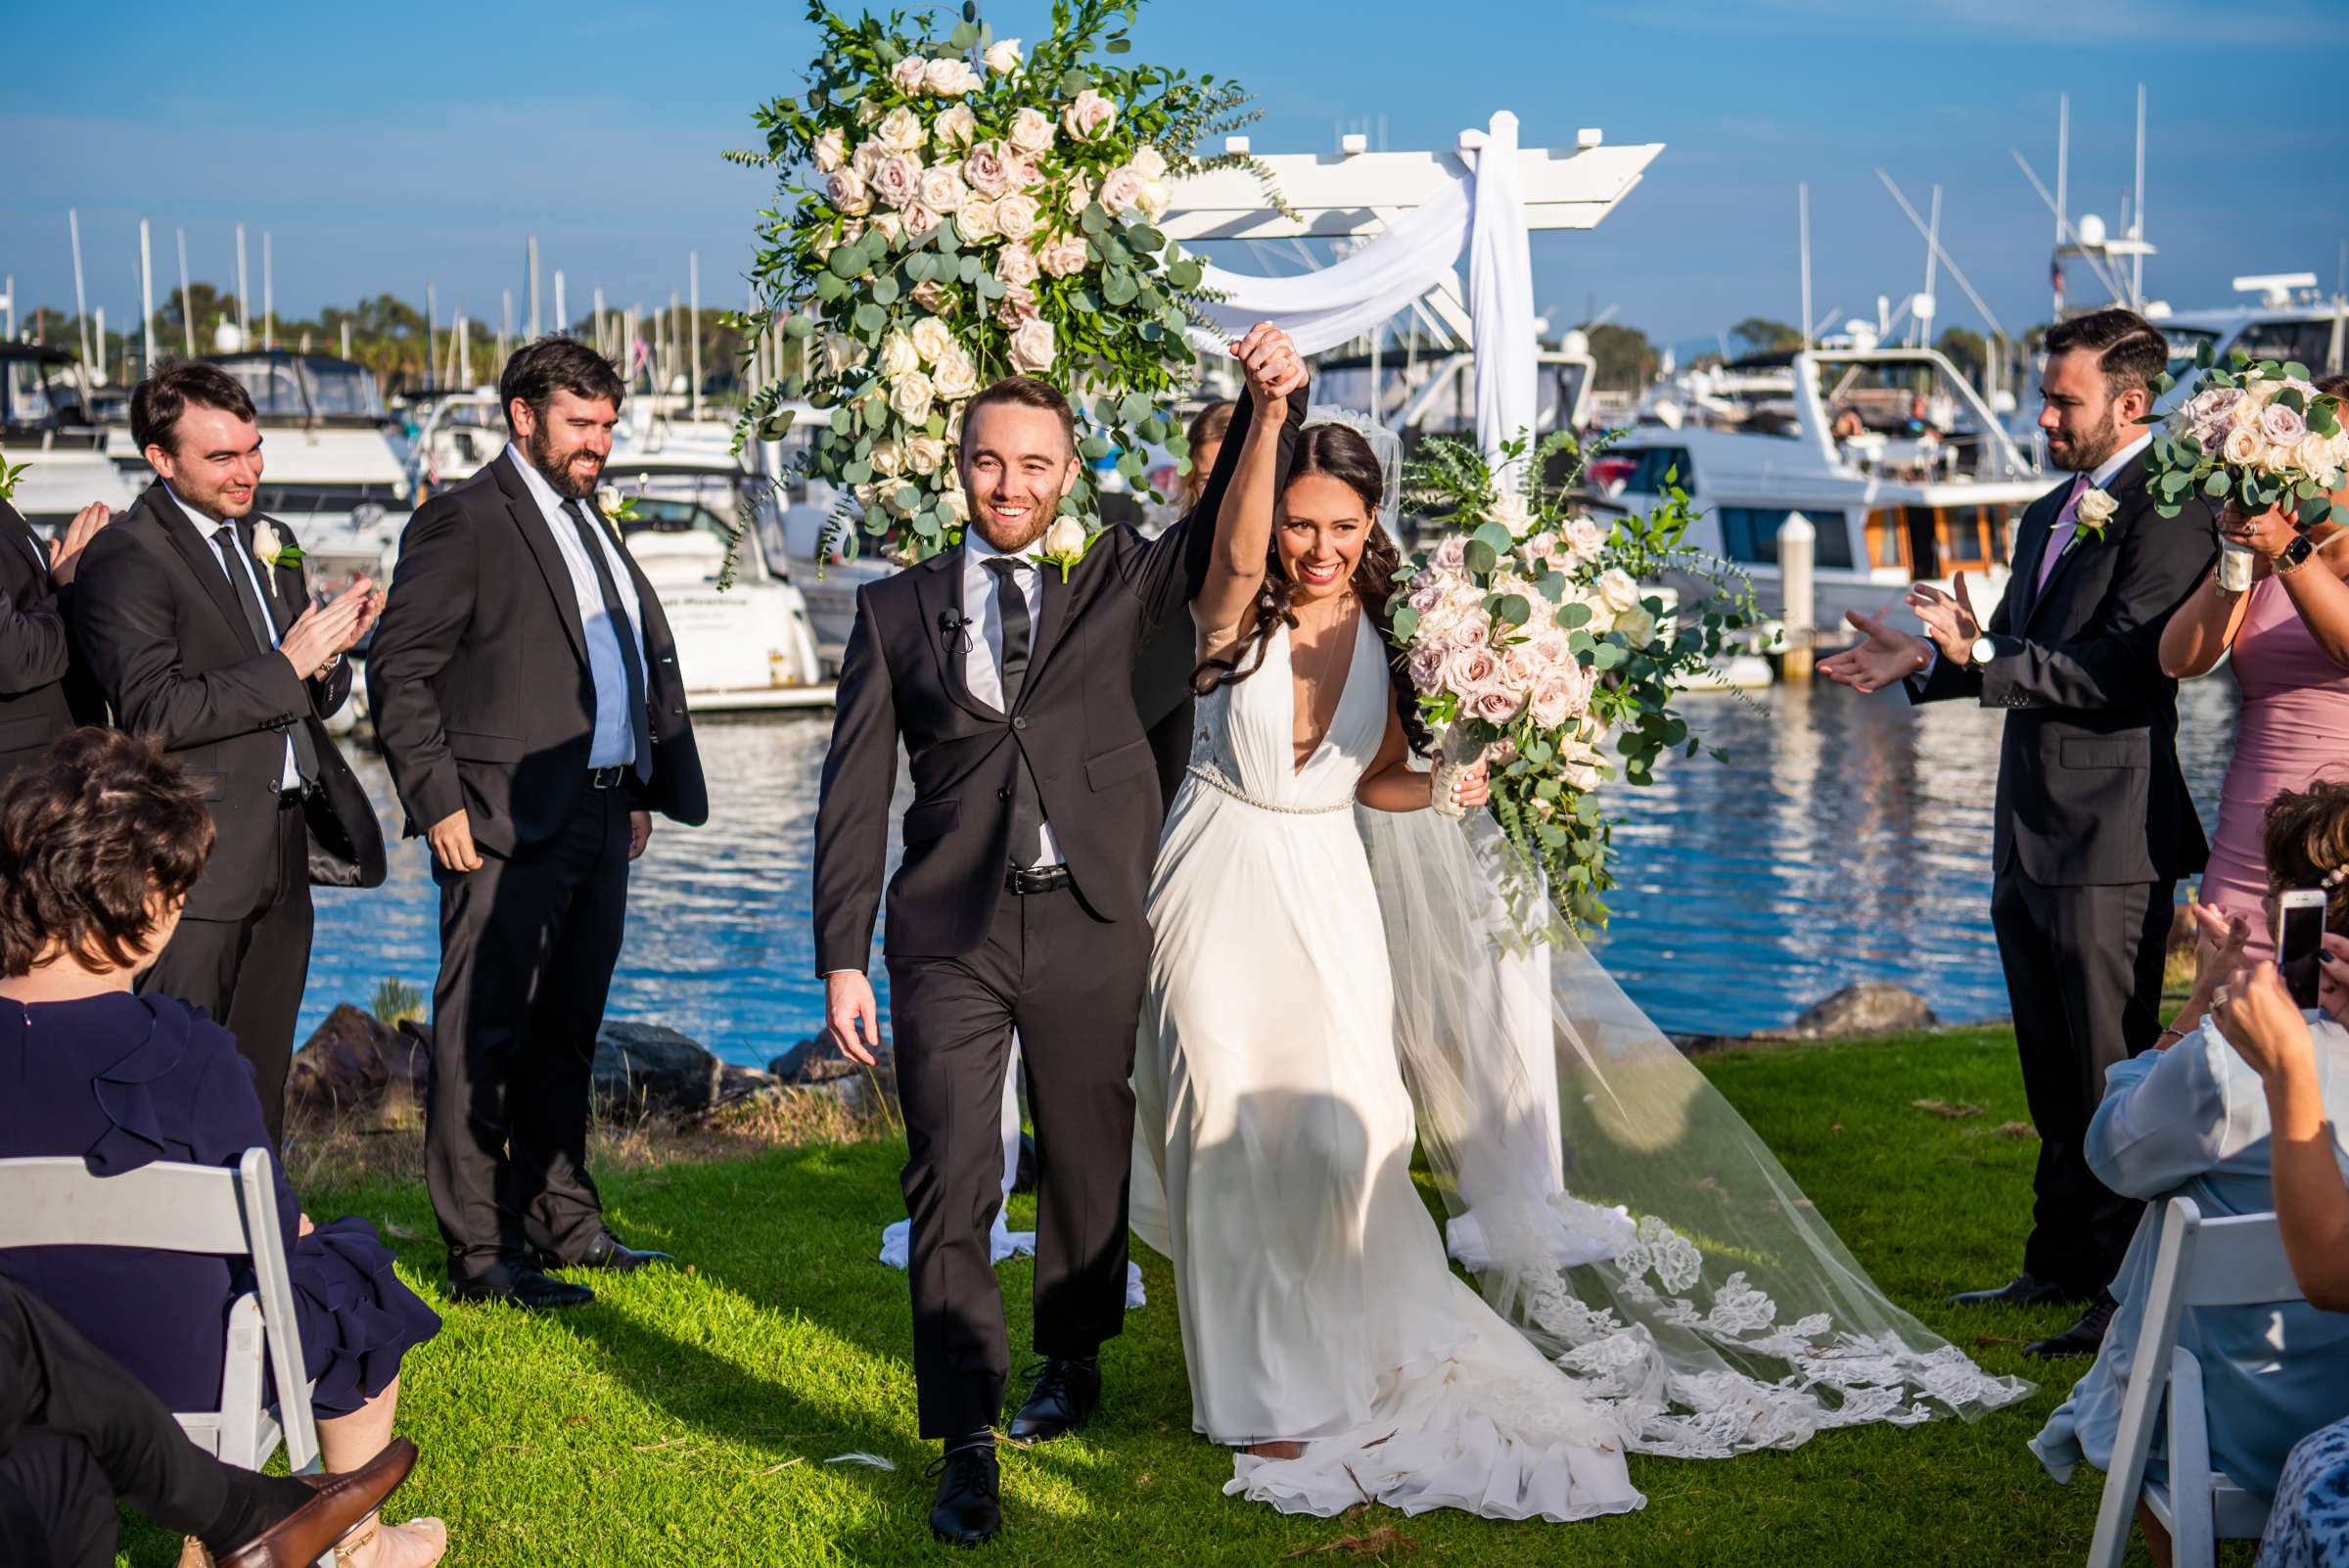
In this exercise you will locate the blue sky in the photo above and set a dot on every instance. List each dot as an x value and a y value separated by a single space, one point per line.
384 148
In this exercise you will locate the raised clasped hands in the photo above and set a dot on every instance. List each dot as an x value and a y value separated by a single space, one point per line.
2220 939
1883 656
1949 618
1271 365
322 633
65 554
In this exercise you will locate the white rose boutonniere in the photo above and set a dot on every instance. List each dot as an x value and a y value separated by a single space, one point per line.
270 548
1065 542
2097 509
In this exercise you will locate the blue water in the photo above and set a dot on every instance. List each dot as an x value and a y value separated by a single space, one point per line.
1846 838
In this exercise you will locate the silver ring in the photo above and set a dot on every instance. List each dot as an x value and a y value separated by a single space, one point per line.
2218 995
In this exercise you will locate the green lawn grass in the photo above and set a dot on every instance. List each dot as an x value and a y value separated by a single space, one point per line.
687 1416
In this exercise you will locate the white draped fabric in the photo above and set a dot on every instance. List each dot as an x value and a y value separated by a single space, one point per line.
1482 214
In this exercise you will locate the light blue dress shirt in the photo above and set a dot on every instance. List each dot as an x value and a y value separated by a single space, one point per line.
614 744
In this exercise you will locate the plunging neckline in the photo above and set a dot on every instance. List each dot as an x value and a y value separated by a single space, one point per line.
1354 646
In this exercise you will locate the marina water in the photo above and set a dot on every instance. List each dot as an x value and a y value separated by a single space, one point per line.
1845 839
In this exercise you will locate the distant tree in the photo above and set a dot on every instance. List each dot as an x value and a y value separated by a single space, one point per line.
1763 335
1627 360
1963 348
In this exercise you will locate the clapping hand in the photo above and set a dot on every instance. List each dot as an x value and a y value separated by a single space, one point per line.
65 554
1270 364
322 632
1950 619
1885 657
2219 941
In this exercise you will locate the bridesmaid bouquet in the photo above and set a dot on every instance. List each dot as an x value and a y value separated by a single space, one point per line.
2257 433
955 208
1532 644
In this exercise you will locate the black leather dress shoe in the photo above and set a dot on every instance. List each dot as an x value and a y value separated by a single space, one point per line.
518 1285
606 1251
1063 1398
2023 1290
969 1511
2082 1338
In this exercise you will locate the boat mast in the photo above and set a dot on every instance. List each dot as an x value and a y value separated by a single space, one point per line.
81 308
2136 210
2063 154
146 302
693 336
1802 212
243 289
187 311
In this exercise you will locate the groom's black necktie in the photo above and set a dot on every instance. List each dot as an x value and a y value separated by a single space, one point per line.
240 582
1011 608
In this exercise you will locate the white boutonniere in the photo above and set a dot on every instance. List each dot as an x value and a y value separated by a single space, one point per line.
270 547
617 505
2097 509
10 473
1065 543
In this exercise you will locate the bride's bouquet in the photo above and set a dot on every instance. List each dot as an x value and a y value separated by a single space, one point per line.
2258 433
1532 643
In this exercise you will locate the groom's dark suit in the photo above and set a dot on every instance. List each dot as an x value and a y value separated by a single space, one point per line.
970 957
2094 827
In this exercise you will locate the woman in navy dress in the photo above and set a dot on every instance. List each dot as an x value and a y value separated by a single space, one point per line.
99 844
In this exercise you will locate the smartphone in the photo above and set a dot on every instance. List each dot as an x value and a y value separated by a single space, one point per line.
2300 942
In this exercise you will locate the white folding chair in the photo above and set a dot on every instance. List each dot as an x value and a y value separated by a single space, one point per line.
2236 1262
53 1201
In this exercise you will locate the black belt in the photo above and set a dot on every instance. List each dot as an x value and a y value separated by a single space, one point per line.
607 778
1036 879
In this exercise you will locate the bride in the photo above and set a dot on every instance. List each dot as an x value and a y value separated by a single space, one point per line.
1290 991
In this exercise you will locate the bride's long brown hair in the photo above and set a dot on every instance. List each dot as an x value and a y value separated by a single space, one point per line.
1337 452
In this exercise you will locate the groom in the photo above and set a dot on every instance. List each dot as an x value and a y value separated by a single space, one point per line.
2094 823
1018 902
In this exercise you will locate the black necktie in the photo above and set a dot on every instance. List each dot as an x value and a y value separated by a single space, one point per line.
1027 806
240 581
639 725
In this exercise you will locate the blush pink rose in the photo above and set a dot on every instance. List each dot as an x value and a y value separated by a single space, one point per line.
987 169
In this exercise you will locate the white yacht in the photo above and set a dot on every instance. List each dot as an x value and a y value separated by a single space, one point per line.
46 424
1888 452
460 432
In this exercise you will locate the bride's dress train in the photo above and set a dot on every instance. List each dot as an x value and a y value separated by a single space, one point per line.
1274 1147
1303 964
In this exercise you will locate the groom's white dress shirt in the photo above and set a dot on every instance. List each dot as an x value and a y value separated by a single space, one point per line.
983 646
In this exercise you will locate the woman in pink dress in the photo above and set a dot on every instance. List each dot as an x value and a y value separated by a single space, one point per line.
2290 640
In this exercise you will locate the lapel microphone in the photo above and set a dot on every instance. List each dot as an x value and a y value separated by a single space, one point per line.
954 626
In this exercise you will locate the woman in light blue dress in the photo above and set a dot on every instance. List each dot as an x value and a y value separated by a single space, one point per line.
2192 1120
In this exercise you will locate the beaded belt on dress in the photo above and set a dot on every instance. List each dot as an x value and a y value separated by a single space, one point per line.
1209 775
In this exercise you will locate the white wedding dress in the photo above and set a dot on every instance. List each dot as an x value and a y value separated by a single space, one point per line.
1273 1143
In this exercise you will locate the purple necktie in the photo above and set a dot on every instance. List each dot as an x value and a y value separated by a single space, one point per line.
2060 535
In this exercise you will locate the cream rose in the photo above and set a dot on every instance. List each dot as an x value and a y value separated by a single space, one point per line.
907 74
1121 189
1637 627
954 506
1031 348
942 190
898 180
987 169
924 454
886 460
848 193
868 156
1065 257
1157 196
920 220
1004 56
934 296
1017 306
955 129
831 151
1031 131
2244 446
1016 268
1088 114
932 338
1149 162
1616 590
910 397
1016 216
888 226
975 221
1512 513
1081 196
901 130
949 78
843 354
955 377
2097 509
1064 536
898 357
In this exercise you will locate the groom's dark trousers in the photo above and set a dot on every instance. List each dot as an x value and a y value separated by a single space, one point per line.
2094 828
970 959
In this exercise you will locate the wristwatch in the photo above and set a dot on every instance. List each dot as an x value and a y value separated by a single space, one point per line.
2294 555
1982 651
